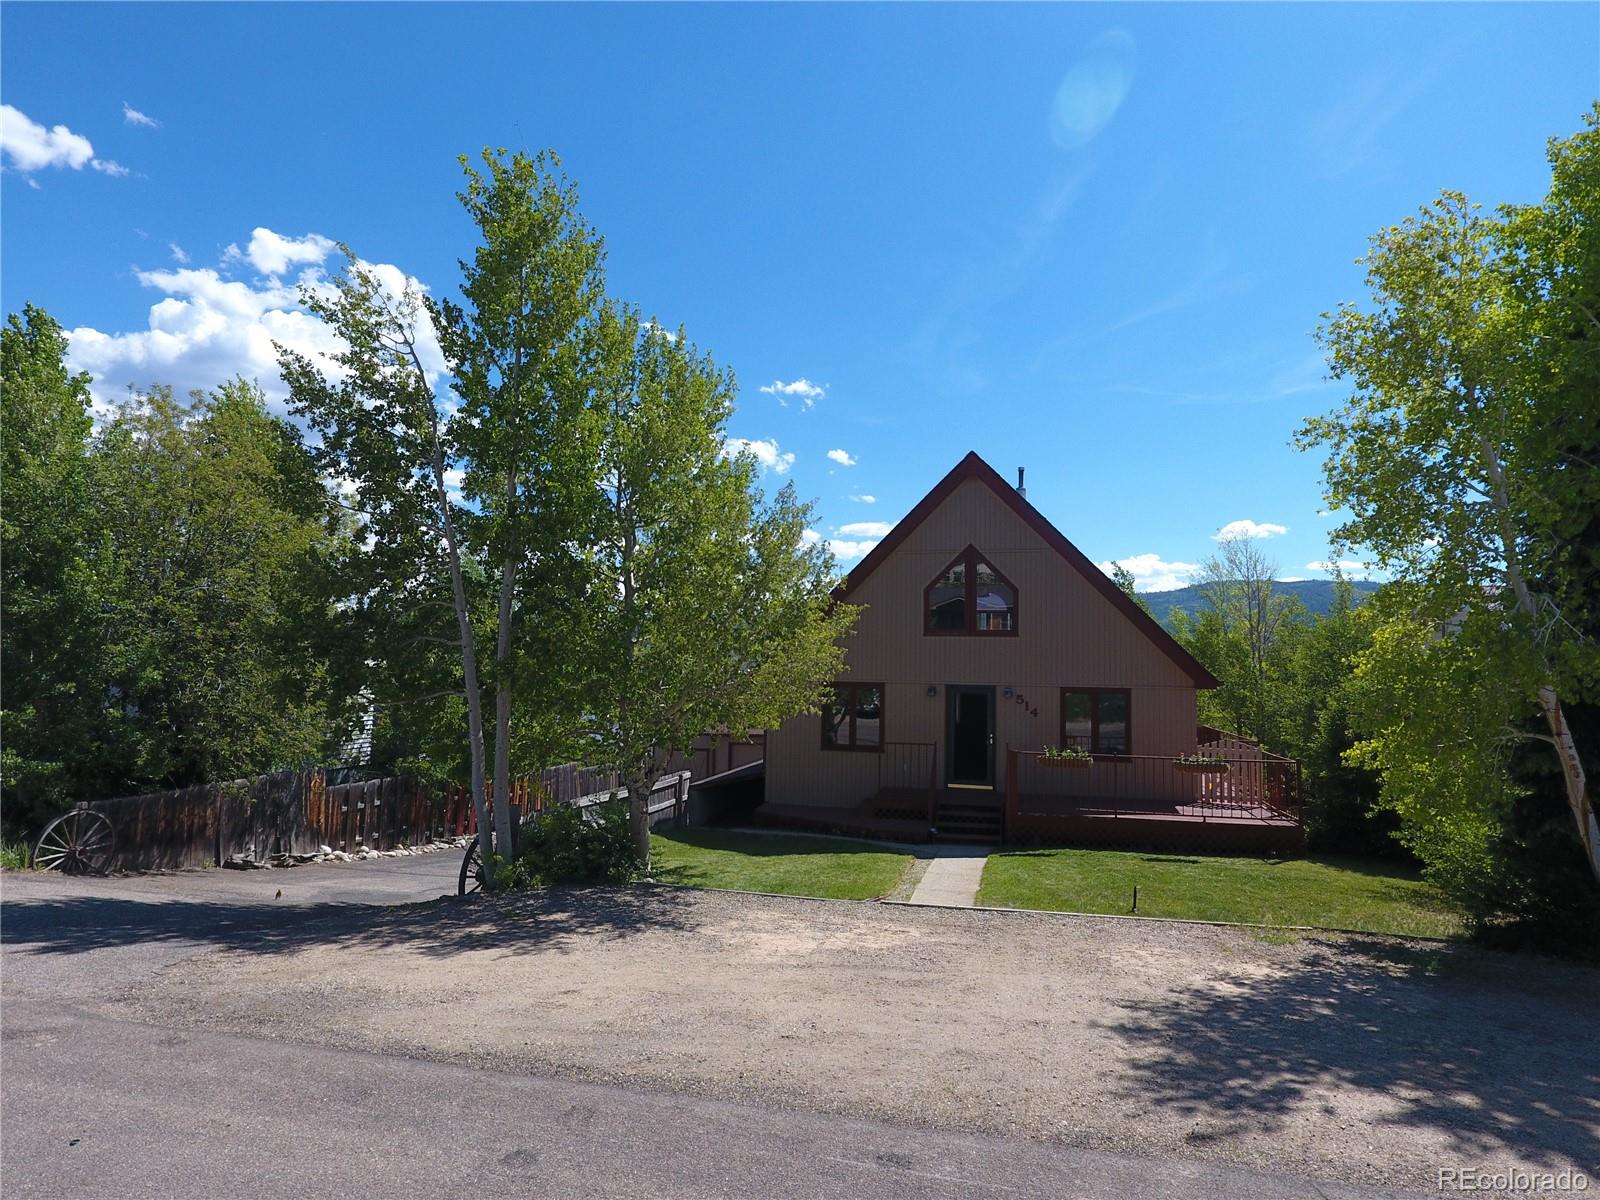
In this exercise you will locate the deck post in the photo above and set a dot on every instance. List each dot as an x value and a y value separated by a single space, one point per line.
1008 815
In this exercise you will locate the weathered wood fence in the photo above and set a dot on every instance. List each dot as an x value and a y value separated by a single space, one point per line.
287 812
568 784
298 812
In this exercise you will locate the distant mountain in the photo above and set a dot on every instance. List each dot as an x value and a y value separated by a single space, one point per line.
1315 594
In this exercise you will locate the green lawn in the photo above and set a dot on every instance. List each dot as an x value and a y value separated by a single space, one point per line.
764 862
1333 893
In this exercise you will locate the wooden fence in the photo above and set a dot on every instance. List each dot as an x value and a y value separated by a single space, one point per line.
568 784
287 812
375 814
299 812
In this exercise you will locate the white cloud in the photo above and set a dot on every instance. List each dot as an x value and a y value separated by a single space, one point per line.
207 329
1152 573
133 116
764 450
1352 568
1293 579
179 254
871 529
273 254
865 498
802 389
846 550
32 147
1249 529
842 457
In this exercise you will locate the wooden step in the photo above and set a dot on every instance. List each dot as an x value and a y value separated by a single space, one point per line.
968 823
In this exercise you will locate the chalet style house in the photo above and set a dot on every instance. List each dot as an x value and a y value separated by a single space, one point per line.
987 641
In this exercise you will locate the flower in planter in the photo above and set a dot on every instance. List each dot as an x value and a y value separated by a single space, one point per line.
1202 764
1065 756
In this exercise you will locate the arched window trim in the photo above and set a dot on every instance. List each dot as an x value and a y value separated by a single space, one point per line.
970 558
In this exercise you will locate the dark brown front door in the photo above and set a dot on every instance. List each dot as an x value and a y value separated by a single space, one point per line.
969 742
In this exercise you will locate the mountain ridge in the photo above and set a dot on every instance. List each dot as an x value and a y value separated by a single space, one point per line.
1315 594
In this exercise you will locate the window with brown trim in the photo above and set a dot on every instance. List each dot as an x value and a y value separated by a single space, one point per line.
970 598
1099 720
852 718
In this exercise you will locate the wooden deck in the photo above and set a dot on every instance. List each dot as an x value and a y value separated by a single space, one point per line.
1154 825
1049 820
1243 801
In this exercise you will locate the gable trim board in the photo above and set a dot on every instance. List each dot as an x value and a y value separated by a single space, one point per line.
972 467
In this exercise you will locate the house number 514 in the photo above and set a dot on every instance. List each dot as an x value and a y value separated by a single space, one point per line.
1031 709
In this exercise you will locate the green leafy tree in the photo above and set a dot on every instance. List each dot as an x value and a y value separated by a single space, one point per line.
473 511
49 603
159 627
214 517
390 443
1318 728
1437 724
1473 370
533 283
1244 635
708 607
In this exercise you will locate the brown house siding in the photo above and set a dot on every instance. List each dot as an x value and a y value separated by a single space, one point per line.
1070 635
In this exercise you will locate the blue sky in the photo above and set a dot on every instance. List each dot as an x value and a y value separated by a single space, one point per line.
1092 240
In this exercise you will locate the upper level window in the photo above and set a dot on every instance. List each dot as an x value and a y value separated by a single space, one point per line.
1097 720
970 597
852 718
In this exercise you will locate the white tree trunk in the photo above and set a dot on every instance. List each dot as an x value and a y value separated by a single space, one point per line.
1572 773
639 817
469 673
458 596
502 696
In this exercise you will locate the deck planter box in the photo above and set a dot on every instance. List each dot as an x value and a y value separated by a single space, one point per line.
1065 762
1202 768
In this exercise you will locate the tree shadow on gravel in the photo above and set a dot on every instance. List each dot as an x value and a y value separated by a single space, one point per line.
1499 1052
557 920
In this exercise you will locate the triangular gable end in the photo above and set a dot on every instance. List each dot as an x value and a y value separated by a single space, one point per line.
973 467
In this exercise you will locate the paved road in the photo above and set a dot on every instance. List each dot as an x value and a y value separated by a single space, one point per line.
93 1104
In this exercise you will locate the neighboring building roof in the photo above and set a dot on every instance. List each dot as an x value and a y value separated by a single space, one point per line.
973 467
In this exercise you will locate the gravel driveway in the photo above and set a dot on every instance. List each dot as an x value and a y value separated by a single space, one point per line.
1366 1060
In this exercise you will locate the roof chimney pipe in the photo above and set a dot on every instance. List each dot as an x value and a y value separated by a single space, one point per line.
1021 491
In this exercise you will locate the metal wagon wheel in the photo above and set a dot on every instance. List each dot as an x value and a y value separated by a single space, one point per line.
80 842
472 878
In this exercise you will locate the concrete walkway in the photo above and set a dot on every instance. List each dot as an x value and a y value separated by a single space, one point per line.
952 877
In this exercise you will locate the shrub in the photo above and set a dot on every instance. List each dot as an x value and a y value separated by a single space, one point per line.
14 856
571 845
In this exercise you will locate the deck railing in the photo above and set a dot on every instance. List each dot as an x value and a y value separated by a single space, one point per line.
912 766
1256 785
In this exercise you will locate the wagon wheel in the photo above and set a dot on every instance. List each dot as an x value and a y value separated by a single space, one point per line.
471 870
78 843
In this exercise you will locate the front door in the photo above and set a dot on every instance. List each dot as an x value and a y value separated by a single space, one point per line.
969 744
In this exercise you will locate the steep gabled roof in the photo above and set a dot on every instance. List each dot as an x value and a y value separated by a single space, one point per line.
973 467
